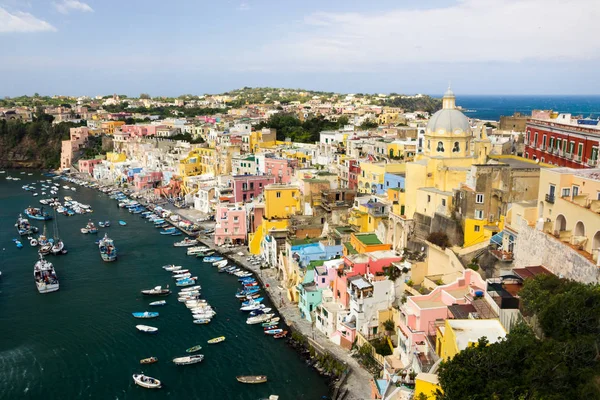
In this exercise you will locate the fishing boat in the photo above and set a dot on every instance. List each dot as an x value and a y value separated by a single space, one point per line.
37 213
171 267
149 360
146 329
107 248
193 251
157 291
146 381
183 275
176 233
211 259
188 360
259 319
158 303
265 310
58 246
194 349
45 277
89 228
280 335
252 307
187 242
220 264
145 314
180 272
202 321
24 227
252 301
168 231
122 223
106 224
216 340
251 378
273 331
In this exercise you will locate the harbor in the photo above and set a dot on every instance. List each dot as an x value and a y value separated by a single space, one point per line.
82 336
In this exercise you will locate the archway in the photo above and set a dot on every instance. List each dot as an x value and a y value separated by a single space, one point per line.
579 229
596 241
561 223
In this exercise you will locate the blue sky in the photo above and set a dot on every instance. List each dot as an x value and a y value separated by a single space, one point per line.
183 46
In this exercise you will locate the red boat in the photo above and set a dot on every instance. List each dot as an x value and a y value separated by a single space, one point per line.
281 335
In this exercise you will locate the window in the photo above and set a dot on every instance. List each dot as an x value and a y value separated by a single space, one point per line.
322 280
544 141
236 218
278 194
566 192
440 147
543 159
575 191
580 149
526 155
558 144
476 228
535 140
429 145
594 155
478 214
428 198
456 147
479 198
444 202
571 147
551 143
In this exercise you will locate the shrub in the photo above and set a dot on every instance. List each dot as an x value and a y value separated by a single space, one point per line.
439 238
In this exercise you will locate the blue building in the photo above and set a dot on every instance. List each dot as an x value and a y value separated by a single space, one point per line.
393 180
306 252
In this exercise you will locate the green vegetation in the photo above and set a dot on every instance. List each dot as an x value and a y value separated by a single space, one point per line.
165 112
440 239
381 346
411 104
389 325
368 124
288 126
35 144
562 363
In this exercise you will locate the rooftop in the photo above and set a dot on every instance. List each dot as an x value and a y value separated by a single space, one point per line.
350 248
467 331
368 239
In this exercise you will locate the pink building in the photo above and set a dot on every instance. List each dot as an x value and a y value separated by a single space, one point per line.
87 166
420 316
248 187
230 224
325 274
141 130
68 147
147 180
281 168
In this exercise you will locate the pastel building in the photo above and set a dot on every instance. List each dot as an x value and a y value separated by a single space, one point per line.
87 166
282 169
249 187
305 253
230 225
78 137
147 180
458 334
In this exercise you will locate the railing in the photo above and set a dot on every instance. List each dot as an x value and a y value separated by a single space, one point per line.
561 153
592 162
542 147
550 198
577 158
568 155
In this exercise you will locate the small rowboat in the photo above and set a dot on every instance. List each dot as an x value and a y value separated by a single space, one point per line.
122 223
216 340
146 381
281 335
158 303
146 328
149 360
202 321
145 314
273 331
194 349
252 379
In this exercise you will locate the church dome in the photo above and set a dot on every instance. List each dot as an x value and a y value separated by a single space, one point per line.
448 119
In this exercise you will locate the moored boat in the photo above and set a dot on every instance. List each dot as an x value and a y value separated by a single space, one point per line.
171 268
187 360
190 289
157 291
216 340
149 360
187 242
251 378
202 321
122 223
259 319
146 329
146 381
158 303
45 277
145 314
37 213
24 227
280 335
211 259
194 349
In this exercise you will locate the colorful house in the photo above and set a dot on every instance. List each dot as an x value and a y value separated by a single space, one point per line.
281 168
249 187
458 334
230 227
366 243
372 176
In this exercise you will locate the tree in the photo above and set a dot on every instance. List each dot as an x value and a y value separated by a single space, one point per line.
144 96
439 238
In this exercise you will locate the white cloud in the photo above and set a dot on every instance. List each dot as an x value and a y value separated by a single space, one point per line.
465 32
66 6
244 6
18 21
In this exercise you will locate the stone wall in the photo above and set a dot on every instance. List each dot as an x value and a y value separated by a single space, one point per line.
534 247
424 225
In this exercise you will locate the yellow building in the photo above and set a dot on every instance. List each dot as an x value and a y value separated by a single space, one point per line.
109 127
372 176
265 138
449 151
281 202
199 161
115 157
428 384
458 334
367 213
389 118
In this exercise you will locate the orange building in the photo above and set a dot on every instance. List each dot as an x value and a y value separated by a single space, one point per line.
367 242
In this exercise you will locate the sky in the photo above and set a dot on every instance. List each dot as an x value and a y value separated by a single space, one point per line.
169 48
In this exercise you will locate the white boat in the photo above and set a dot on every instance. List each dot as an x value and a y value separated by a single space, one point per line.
220 264
183 276
191 293
259 318
146 328
187 360
171 268
158 303
190 289
146 381
192 251
32 242
45 277
187 242
179 271
252 307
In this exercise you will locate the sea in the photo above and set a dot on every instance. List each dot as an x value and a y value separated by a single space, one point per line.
493 106
81 342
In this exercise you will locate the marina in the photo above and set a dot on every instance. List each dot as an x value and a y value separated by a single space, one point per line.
53 341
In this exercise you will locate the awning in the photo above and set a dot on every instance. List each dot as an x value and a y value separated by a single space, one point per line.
497 238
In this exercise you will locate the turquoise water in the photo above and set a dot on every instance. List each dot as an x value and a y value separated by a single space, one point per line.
81 341
493 106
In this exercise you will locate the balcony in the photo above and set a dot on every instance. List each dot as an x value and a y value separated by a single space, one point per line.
550 198
503 256
543 147
577 158
592 162
560 153
568 155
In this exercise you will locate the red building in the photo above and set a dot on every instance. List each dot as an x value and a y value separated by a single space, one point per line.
353 174
563 141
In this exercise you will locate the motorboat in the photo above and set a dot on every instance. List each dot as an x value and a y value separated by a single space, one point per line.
107 248
171 267
216 340
192 251
180 271
156 291
58 247
122 223
252 307
253 301
187 360
37 214
191 289
260 311
187 242
32 241
280 335
211 259
24 227
89 228
273 331
182 276
158 303
45 277
259 319
146 381
251 378
220 264
146 329
18 243
185 282
145 314
149 360
202 321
